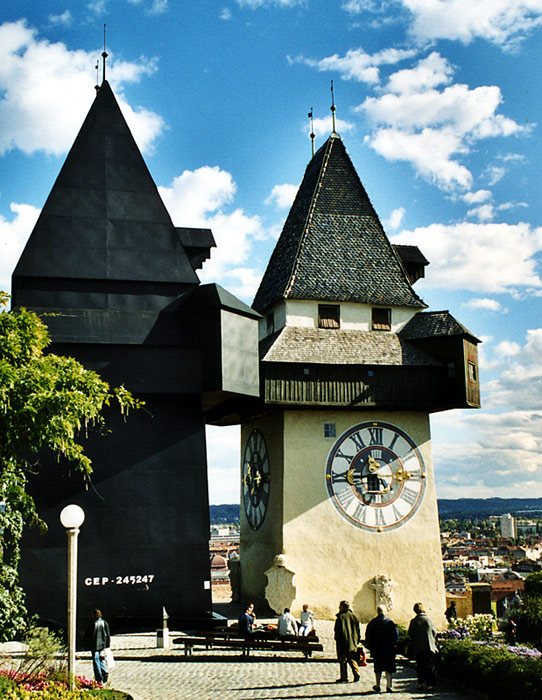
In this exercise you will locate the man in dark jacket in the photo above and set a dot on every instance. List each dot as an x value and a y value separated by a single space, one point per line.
381 637
347 637
98 638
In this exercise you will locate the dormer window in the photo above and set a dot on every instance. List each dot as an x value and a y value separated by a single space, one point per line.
329 316
381 319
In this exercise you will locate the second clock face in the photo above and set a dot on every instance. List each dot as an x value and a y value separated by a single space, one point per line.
376 476
255 479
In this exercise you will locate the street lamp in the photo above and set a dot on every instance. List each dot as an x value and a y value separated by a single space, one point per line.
72 518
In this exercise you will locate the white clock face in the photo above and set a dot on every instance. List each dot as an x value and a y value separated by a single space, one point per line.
255 479
376 476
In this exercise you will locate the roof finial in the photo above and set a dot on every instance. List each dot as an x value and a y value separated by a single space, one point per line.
104 56
333 108
310 115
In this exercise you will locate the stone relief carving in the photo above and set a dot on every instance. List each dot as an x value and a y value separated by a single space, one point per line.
280 590
383 587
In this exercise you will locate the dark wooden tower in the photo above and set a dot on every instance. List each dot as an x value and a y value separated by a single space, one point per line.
120 280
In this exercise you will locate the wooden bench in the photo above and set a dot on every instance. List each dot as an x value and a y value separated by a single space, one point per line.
306 645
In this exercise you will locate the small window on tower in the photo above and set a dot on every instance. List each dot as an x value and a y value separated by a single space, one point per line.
329 430
329 316
381 319
472 372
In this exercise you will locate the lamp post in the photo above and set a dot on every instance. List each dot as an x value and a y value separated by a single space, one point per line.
72 518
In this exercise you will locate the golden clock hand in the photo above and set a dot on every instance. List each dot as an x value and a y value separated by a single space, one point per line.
402 475
373 465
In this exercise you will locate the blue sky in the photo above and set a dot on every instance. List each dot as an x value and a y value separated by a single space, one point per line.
438 103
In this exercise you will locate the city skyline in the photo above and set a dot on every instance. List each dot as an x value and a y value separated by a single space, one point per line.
437 104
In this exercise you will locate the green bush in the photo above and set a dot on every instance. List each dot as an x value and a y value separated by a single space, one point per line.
493 670
528 619
402 644
533 585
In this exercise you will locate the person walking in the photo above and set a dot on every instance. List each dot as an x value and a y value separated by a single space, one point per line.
98 638
422 637
347 637
381 637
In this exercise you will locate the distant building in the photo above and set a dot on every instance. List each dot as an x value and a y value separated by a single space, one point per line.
508 526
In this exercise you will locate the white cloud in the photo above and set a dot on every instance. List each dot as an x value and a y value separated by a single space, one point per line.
263 3
357 6
431 128
484 304
396 217
356 64
520 384
477 197
64 19
494 174
485 212
323 127
482 258
13 237
198 198
432 71
430 153
503 22
156 7
46 91
225 13
507 348
482 454
282 196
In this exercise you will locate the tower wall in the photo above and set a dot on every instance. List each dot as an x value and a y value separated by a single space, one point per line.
332 558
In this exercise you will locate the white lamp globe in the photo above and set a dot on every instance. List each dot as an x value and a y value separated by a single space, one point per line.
72 516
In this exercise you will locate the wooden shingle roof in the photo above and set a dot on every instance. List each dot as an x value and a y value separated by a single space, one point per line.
430 324
341 347
333 246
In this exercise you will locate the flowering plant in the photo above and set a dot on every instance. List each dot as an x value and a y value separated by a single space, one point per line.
479 627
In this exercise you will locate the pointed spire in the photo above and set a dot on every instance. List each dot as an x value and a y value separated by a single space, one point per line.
104 57
333 110
333 247
104 218
310 115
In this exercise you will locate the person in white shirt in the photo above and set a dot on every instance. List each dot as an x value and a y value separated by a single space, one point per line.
306 621
287 624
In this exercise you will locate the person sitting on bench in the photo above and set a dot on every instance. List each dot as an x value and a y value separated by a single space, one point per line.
287 625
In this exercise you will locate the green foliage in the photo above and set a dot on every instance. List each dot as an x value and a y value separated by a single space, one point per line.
495 671
402 644
533 585
46 401
528 619
41 656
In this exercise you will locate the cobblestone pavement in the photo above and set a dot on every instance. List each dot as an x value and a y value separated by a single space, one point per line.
148 673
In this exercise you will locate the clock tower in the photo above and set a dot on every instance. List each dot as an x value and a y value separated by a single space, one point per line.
337 468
